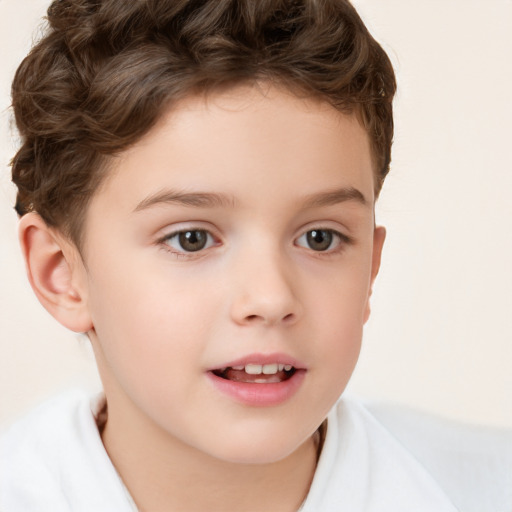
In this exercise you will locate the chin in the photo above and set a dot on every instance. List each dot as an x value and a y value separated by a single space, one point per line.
261 456
257 449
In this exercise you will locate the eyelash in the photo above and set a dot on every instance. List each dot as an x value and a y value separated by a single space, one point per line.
165 242
342 242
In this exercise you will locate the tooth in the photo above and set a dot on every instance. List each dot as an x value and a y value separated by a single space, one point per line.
253 369
238 367
260 381
280 367
270 369
287 367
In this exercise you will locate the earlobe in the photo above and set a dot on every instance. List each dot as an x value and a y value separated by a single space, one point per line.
53 269
379 236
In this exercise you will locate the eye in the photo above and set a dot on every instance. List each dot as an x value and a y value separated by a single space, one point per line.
190 240
321 240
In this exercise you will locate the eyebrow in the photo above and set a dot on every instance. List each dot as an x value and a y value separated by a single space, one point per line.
196 199
334 197
212 200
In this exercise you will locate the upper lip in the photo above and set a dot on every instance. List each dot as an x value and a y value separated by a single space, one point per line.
262 359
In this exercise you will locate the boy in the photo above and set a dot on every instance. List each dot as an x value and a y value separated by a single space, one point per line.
196 186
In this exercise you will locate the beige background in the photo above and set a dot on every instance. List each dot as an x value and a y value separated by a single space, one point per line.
440 337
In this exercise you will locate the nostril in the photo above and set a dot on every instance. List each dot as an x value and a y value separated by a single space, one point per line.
254 318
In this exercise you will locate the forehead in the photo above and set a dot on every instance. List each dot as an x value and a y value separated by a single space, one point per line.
245 139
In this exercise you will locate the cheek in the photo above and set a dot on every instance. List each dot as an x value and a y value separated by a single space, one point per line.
147 348
149 320
339 298
338 313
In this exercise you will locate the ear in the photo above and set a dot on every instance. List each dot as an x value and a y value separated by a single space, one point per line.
56 272
379 236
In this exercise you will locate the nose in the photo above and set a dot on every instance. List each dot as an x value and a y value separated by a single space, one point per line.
264 291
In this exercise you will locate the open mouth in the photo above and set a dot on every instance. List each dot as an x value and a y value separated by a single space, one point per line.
259 380
257 373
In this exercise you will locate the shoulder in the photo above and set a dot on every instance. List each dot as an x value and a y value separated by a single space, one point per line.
363 467
384 458
50 426
473 465
43 429
55 456
29 452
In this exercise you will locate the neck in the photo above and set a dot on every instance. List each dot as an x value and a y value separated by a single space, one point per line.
163 474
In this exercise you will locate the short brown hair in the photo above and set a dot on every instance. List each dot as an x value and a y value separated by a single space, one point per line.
105 70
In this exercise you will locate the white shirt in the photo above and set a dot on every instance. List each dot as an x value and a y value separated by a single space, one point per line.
54 460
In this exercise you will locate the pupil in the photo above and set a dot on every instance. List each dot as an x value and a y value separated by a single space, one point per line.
319 240
193 240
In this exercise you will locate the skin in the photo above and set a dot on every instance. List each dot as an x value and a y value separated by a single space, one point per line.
159 317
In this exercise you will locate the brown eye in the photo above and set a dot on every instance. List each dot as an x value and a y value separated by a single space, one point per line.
192 240
319 239
323 240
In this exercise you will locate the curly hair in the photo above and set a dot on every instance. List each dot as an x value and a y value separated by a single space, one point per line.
106 70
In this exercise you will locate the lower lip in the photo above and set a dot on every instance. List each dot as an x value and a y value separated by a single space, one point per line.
259 395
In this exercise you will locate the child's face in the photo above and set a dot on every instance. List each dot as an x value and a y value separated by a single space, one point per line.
259 186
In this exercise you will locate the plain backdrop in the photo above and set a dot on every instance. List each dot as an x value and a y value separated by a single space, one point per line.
440 335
